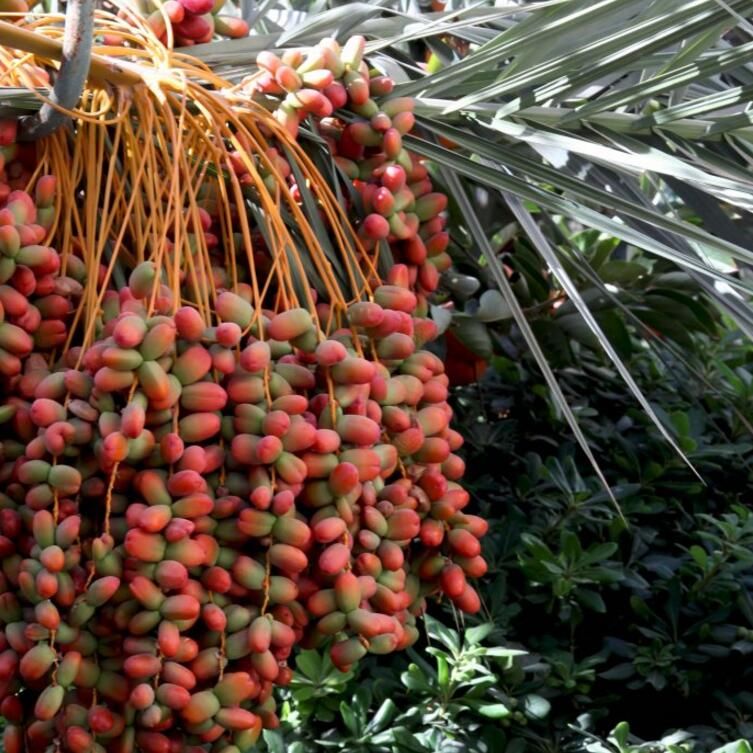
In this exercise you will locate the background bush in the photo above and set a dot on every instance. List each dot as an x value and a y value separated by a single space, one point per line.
644 618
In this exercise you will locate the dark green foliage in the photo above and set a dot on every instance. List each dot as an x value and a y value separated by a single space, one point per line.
647 616
448 696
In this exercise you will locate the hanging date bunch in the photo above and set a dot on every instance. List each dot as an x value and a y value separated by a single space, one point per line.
363 126
183 23
213 448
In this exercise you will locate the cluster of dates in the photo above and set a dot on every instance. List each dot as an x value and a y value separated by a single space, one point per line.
192 502
37 297
184 501
363 126
191 21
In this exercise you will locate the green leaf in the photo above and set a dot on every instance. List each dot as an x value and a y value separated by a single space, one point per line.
500 652
535 32
621 734
739 746
473 334
573 325
274 741
537 237
408 740
349 718
536 706
618 672
443 672
478 633
599 552
628 159
383 716
492 307
581 190
442 633
344 19
727 97
665 82
595 58
571 547
698 553
442 317
697 312
494 710
621 272
553 341
515 187
614 328
414 679
591 600
309 663
317 224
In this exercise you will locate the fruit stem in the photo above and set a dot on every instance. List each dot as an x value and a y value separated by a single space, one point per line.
267 572
101 69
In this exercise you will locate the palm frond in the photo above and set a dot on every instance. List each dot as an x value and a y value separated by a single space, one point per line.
632 117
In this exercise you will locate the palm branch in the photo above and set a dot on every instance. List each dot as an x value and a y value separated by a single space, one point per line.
592 111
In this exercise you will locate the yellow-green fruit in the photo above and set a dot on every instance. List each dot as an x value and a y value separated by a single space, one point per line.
346 653
290 324
142 279
332 623
233 308
347 592
36 662
49 702
202 706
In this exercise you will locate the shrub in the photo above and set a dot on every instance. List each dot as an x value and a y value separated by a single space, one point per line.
645 616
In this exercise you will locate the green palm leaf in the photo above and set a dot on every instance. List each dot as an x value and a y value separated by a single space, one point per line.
632 117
